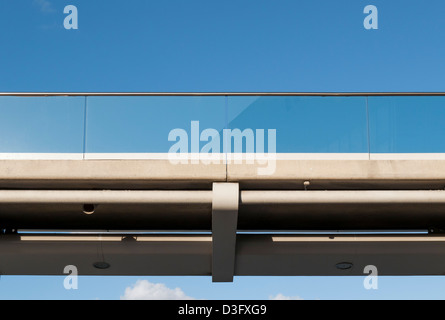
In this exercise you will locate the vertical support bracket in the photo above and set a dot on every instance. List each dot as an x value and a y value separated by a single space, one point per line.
224 226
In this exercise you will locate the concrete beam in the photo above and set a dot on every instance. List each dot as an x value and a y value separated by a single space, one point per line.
224 227
140 255
161 174
108 174
342 175
104 197
192 210
341 197
256 255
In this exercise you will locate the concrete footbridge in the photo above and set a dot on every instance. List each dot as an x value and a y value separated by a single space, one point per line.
222 184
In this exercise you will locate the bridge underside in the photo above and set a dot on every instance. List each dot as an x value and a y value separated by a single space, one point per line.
150 217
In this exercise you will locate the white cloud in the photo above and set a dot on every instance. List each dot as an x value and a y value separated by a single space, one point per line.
144 290
283 297
45 5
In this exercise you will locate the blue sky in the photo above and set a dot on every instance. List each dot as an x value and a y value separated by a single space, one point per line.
223 46
199 45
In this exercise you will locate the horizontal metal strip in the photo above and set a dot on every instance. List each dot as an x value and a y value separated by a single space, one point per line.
222 156
149 94
206 238
191 156
113 238
230 157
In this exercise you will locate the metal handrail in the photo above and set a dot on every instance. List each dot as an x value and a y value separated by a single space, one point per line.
235 94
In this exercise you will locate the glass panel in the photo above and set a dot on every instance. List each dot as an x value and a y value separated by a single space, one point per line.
305 124
42 124
407 124
143 124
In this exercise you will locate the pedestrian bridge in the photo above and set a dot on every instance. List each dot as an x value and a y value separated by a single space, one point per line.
88 179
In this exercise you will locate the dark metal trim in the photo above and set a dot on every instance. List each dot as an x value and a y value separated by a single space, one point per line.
212 94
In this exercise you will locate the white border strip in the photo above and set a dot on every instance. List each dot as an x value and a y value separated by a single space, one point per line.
41 156
153 156
222 156
358 238
322 156
407 156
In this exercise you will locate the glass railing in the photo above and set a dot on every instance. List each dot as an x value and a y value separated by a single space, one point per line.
193 123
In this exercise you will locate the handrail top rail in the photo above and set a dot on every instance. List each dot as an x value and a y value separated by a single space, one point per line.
213 94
